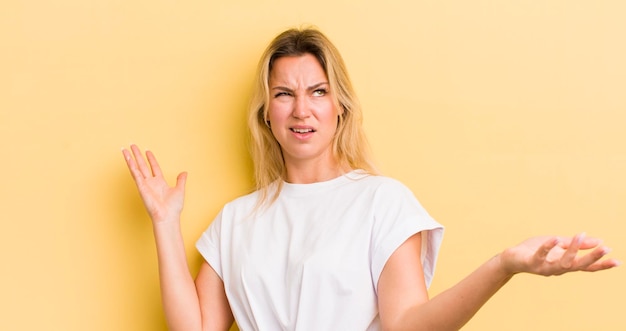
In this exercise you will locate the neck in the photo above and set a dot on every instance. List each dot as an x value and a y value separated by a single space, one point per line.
313 172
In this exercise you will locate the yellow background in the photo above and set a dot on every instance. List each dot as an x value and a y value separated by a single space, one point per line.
506 118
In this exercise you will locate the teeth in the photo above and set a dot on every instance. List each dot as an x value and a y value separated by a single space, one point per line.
301 130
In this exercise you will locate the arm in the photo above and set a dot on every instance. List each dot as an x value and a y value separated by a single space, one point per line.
404 305
213 300
184 304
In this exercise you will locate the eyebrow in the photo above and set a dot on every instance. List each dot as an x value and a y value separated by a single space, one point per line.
310 88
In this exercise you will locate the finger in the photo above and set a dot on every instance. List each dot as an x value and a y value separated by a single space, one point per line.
586 243
181 180
132 165
156 169
569 256
594 256
590 242
141 163
603 265
127 156
591 261
545 248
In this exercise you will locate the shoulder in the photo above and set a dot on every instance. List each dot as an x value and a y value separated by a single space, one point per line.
390 197
384 185
244 202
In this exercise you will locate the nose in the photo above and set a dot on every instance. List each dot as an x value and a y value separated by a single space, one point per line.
301 107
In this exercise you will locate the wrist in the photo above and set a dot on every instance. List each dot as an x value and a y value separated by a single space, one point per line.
501 267
169 225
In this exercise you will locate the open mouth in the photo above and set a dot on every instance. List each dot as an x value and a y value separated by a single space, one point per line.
298 130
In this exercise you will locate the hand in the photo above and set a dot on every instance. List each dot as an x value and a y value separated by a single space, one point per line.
549 256
163 203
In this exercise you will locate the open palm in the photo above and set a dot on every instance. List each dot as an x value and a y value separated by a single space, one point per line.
550 256
163 202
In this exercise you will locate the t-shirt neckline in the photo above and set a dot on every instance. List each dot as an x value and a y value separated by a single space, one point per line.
292 189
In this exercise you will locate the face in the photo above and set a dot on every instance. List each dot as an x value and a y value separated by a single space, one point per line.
302 113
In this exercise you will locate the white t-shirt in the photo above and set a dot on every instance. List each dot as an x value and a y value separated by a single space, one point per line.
312 259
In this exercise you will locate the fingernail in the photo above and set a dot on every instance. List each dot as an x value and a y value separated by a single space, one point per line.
581 237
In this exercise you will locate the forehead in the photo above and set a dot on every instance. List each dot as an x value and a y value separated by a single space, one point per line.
302 68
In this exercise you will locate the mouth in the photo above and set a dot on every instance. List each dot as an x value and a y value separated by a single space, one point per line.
302 130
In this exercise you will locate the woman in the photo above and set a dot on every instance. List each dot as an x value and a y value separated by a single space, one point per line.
324 243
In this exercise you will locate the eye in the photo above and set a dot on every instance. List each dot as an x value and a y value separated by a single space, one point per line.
320 92
281 94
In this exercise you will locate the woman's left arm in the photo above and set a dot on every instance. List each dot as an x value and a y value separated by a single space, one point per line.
403 299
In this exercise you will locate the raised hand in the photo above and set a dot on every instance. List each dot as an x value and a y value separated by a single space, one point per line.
551 256
163 202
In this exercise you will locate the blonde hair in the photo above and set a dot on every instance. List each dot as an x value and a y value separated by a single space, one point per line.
350 146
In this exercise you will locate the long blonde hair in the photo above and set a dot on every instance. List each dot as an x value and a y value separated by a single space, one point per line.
350 146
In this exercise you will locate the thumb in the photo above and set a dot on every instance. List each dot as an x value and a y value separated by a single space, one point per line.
546 247
181 180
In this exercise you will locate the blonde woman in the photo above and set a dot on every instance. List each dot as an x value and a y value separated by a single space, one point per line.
324 243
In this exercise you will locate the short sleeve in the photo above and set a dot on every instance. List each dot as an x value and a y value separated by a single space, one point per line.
209 244
398 216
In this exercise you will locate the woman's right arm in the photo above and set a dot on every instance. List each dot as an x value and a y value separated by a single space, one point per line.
188 306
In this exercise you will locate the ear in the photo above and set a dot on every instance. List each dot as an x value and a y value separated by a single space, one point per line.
263 117
342 110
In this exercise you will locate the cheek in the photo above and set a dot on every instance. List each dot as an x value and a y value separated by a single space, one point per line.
277 111
331 115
